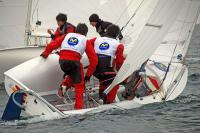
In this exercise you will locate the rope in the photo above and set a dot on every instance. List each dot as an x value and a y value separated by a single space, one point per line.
35 10
87 93
129 4
171 86
131 17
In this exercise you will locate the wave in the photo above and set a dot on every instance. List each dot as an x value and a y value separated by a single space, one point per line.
186 99
194 77
28 120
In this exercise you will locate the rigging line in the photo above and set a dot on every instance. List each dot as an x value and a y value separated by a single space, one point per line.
123 12
193 24
131 32
152 93
87 93
160 86
171 85
132 16
177 45
35 9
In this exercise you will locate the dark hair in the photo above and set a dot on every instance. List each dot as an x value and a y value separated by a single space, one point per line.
61 17
82 29
94 18
113 31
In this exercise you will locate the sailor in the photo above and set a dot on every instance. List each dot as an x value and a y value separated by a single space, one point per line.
63 27
110 59
73 46
101 26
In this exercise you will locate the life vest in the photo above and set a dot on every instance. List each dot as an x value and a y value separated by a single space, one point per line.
74 42
106 46
65 27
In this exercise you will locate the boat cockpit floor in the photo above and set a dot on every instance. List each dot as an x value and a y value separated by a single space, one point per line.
68 104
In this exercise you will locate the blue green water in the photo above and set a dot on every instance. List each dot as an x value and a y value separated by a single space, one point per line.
179 116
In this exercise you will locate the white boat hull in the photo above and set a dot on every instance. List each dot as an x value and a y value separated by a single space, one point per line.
42 77
10 58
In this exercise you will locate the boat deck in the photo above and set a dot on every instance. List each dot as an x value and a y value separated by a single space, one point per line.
68 104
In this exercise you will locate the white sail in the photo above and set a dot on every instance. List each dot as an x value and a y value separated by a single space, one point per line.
115 11
139 12
77 11
13 15
177 40
150 38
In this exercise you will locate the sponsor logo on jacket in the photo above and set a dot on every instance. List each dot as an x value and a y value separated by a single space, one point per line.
72 41
104 46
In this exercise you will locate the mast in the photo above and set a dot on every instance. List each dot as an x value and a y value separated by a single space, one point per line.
28 24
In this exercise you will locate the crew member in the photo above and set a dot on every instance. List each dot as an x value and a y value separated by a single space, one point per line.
110 58
63 27
102 26
73 45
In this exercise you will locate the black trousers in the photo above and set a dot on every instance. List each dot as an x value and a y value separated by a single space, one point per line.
72 69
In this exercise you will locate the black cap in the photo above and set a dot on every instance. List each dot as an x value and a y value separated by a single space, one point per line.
94 18
61 17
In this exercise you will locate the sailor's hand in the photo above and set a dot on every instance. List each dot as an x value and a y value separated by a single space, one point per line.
50 31
43 56
87 78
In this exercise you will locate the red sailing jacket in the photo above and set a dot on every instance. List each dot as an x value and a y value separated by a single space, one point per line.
72 55
119 57
68 29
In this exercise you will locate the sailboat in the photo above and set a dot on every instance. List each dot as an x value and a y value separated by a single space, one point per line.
156 36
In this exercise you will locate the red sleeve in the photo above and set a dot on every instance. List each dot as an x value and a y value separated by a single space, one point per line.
92 58
92 41
119 56
53 45
57 34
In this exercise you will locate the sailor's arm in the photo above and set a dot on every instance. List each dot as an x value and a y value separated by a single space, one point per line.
119 56
91 41
52 46
92 58
56 35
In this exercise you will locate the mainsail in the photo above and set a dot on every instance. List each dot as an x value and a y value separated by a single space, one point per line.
150 38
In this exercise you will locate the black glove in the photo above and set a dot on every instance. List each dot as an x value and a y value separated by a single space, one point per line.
52 36
120 37
86 79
